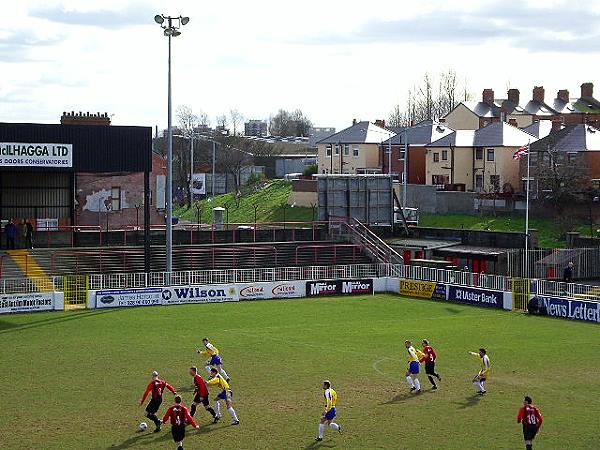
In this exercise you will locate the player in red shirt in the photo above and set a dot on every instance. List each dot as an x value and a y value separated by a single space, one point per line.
201 394
157 387
429 360
179 417
532 419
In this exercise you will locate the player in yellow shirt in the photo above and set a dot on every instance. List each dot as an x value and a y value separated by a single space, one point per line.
215 358
223 387
328 416
412 373
485 371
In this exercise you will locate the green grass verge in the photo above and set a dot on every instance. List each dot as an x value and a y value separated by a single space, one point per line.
550 234
268 199
72 380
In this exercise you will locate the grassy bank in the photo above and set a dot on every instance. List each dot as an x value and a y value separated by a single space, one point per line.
550 234
268 197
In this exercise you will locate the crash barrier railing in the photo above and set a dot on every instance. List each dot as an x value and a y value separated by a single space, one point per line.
240 232
352 230
57 262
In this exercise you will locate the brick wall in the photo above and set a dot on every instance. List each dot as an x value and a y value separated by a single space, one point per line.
93 191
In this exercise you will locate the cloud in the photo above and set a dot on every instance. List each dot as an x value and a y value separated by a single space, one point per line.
567 29
16 47
108 19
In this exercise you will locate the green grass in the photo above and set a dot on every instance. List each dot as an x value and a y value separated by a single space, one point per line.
550 233
269 200
73 380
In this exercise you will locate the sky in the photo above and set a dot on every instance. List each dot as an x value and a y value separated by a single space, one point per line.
336 60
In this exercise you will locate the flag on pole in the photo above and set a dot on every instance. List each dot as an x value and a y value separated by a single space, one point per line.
522 151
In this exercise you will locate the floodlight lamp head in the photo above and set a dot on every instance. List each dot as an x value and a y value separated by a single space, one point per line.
159 19
184 20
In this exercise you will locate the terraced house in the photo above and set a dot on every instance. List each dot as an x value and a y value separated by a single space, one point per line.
481 160
563 109
354 150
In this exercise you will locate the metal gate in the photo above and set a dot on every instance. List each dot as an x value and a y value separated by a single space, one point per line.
76 289
521 291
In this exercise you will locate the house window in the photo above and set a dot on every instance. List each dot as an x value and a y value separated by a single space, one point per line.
571 157
479 154
355 151
328 151
490 154
337 150
444 155
478 181
440 180
115 198
324 171
436 157
151 197
495 183
346 150
596 184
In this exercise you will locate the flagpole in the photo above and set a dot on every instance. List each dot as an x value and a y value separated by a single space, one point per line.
526 271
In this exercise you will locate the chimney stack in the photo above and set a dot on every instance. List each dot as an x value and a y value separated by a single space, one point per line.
488 96
563 95
353 121
556 125
538 94
587 90
513 122
380 123
79 118
513 96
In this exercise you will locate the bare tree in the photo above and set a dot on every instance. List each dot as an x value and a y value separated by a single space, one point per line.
186 119
286 123
236 120
430 99
203 119
222 121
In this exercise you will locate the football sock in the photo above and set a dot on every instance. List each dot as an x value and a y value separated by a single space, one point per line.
211 411
233 414
481 387
417 384
335 426
218 408
193 410
410 381
224 373
154 419
529 447
321 430
431 380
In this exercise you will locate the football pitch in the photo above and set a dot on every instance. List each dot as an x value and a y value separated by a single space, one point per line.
74 379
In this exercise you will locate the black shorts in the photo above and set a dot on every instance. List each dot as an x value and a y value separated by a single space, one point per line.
203 400
429 367
153 406
529 432
178 432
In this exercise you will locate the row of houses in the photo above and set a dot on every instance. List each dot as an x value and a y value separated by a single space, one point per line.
472 147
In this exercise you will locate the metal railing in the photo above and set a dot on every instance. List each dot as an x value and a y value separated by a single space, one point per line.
549 263
484 281
227 276
352 230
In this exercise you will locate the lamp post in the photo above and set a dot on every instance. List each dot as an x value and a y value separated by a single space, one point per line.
171 26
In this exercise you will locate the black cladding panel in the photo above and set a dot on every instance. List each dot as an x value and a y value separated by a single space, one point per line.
96 148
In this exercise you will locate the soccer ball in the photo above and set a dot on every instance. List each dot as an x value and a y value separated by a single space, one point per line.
143 426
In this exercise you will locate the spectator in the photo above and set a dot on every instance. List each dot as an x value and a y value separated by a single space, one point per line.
28 234
568 273
11 233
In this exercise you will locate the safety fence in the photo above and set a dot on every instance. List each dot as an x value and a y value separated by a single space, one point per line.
127 280
549 263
